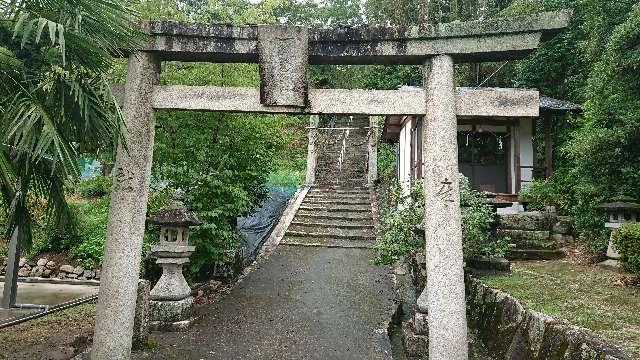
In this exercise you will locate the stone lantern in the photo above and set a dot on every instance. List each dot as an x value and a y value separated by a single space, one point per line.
620 212
171 300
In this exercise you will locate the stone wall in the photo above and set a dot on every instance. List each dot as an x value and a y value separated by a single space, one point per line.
536 234
342 154
510 332
44 268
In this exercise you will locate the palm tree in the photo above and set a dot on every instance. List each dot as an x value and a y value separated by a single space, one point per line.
54 97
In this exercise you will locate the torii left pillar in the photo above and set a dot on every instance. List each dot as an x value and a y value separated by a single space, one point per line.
127 214
444 296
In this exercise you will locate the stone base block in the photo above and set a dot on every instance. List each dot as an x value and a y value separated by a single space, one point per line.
414 345
421 324
170 311
611 264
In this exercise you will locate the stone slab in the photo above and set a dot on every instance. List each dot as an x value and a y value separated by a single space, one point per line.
283 53
141 319
486 40
500 103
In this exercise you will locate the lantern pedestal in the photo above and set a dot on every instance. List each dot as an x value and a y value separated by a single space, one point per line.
171 301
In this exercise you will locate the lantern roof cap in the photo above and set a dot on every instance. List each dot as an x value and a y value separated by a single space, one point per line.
177 216
619 205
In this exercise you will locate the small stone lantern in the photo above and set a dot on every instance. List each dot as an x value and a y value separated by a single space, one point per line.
620 212
171 300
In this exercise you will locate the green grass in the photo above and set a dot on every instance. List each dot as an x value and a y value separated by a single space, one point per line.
586 296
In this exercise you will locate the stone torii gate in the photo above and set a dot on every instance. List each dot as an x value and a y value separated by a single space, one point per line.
284 53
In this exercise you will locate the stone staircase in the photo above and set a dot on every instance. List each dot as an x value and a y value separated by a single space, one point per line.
533 235
333 217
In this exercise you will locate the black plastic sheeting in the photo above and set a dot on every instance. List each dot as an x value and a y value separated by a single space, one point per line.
257 227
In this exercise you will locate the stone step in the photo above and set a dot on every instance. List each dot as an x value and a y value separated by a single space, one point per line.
339 189
325 215
362 223
533 220
326 242
532 254
336 201
354 235
524 239
336 208
332 196
323 230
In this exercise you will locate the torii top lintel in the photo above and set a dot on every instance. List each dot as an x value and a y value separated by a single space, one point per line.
485 40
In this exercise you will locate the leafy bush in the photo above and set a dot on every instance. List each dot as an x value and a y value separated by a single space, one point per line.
402 214
83 237
477 218
627 242
91 228
94 188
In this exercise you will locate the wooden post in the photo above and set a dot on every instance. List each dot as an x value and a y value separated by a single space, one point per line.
11 274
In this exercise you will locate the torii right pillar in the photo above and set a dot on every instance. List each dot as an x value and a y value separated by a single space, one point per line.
444 296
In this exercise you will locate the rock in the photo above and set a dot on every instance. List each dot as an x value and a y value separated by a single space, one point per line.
415 345
23 262
532 221
72 276
88 274
51 265
486 263
27 267
37 271
563 240
23 272
526 239
78 270
42 262
67 268
421 324
47 273
563 225
62 275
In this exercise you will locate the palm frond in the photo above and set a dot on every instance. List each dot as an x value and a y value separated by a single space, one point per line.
88 31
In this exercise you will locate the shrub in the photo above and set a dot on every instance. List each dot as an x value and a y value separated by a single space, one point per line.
84 236
403 213
627 242
477 218
98 186
399 216
91 230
